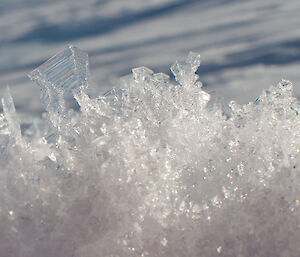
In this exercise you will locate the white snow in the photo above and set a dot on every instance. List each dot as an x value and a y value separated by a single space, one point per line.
152 168
156 166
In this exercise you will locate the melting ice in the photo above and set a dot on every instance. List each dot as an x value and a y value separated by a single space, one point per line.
152 168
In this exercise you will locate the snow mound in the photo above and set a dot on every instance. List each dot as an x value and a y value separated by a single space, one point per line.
151 168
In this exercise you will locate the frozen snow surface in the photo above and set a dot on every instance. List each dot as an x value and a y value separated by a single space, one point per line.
152 168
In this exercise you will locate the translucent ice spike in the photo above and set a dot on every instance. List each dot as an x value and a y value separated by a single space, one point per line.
66 72
11 116
194 60
184 72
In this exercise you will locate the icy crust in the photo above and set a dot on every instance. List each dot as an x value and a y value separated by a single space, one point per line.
151 168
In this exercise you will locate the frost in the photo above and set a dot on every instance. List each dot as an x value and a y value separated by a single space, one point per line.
149 169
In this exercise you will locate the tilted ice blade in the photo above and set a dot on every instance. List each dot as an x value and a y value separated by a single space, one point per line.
65 71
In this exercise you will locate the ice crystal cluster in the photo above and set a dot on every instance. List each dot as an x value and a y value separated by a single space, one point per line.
151 168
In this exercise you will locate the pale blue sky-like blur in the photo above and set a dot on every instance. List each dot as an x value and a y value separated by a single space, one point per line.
245 45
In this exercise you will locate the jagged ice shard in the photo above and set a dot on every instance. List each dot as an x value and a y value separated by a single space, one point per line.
151 168
65 72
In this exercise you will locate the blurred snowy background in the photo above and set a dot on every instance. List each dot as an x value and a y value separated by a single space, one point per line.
245 45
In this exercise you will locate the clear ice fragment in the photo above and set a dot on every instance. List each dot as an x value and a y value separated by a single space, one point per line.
286 87
184 72
205 97
67 70
161 78
194 60
140 74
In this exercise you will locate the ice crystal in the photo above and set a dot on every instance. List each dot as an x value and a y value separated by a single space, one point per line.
11 117
65 72
149 169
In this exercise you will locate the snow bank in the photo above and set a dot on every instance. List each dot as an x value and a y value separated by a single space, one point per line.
151 168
